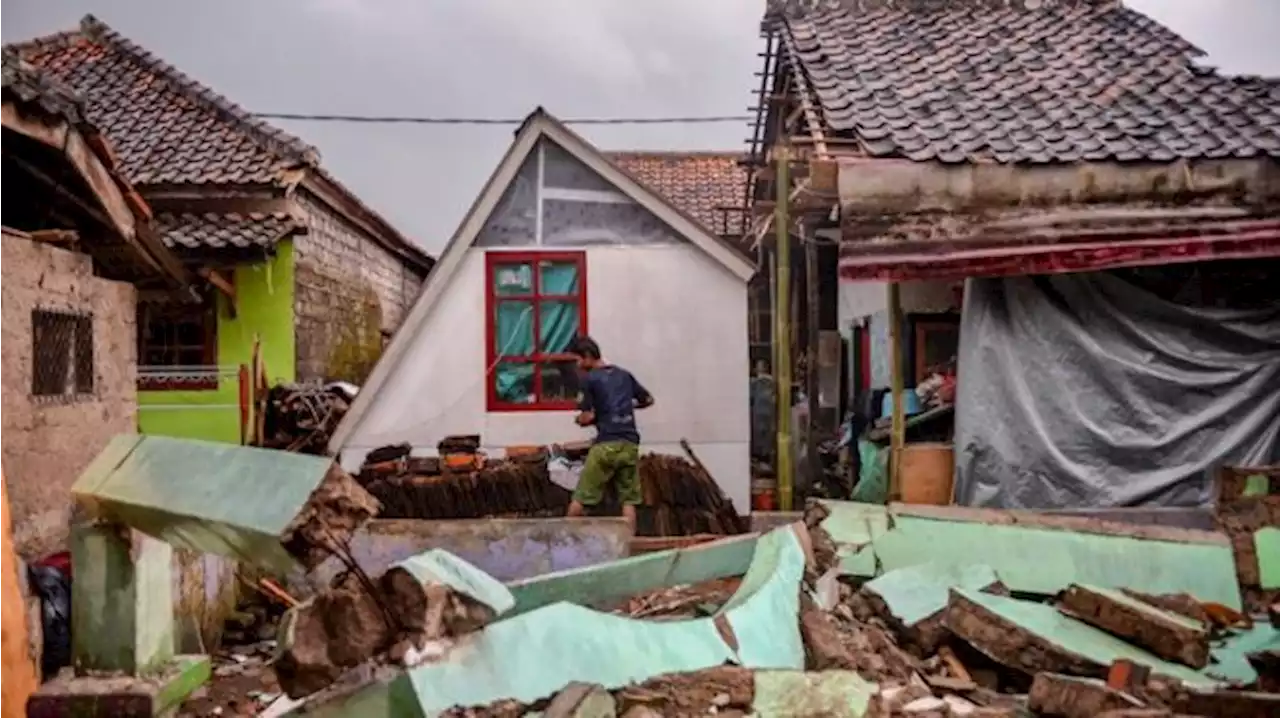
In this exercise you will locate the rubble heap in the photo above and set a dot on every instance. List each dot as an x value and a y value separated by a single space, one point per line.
679 498
944 642
302 417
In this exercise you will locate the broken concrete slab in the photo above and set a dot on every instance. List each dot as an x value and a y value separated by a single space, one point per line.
267 508
813 694
1166 634
1231 653
1054 694
913 599
425 598
606 583
1266 546
582 700
118 696
1035 553
758 628
507 549
1229 704
1034 638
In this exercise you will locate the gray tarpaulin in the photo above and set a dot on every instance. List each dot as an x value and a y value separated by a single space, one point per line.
1084 390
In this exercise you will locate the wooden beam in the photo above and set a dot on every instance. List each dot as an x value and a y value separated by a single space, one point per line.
55 236
812 300
222 284
897 434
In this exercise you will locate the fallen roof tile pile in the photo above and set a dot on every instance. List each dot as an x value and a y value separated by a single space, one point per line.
679 498
860 610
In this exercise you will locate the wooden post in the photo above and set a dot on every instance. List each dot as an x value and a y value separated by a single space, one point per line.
782 329
812 299
897 435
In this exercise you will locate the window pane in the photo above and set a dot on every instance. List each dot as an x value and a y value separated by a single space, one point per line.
513 328
514 382
512 279
558 277
558 325
560 380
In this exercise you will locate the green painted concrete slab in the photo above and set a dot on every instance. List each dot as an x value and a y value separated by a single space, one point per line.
799 694
617 580
1079 638
1266 544
1134 604
915 593
874 539
442 567
204 496
1230 655
532 655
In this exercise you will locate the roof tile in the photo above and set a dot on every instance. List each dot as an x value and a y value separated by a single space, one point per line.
28 84
204 231
1017 81
166 127
708 186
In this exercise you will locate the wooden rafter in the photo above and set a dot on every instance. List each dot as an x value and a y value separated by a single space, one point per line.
223 284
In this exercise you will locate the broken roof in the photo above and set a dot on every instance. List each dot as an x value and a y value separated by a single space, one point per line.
170 129
1017 81
708 186
41 110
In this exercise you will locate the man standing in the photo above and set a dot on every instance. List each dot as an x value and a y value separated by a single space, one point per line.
610 398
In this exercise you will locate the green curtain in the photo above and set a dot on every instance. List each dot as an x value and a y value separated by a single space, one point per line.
559 278
558 320
513 336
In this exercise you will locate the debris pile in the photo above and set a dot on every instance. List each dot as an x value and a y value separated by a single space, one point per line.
410 612
937 640
680 498
302 417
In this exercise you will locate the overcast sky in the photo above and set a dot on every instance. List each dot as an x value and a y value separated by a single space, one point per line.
501 58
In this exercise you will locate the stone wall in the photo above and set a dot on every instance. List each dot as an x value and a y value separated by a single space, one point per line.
349 291
49 441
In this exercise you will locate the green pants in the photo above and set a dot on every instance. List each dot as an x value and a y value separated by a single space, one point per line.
610 461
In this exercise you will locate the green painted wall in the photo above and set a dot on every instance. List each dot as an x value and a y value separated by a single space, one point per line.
264 293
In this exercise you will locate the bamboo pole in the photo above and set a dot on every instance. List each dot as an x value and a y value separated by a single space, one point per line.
782 330
897 434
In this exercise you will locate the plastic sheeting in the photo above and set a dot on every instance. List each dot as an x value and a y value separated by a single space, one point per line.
1085 390
577 220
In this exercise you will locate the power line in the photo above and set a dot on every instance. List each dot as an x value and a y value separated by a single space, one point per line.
392 119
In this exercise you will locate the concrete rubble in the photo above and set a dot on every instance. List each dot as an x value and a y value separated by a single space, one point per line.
793 623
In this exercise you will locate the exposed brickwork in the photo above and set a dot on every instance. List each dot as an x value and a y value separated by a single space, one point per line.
48 444
338 271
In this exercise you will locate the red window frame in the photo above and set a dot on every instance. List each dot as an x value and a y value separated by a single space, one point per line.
493 261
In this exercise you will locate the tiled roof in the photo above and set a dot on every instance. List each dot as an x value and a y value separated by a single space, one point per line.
165 126
1019 81
708 186
28 85
210 230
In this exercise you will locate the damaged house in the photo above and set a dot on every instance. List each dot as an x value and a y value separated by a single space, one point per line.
295 262
561 242
1065 199
78 251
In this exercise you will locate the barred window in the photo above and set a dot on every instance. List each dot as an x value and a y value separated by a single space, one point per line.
62 345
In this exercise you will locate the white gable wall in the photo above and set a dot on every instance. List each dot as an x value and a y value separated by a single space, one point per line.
669 314
664 300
